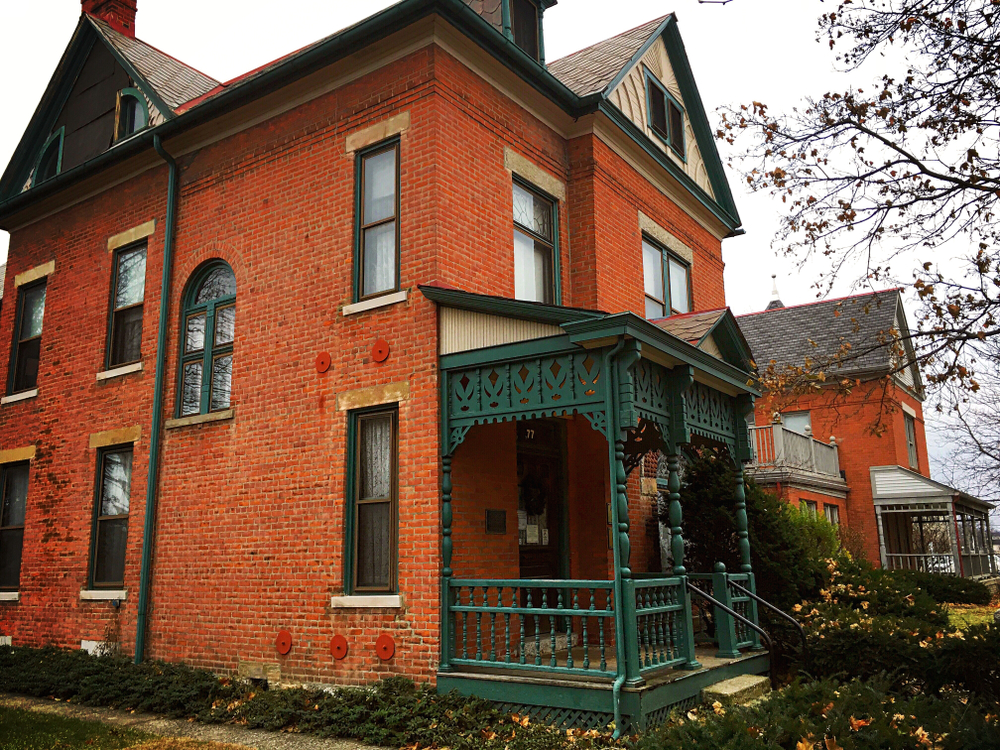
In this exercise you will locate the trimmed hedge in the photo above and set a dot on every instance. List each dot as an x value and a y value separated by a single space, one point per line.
944 589
827 715
391 713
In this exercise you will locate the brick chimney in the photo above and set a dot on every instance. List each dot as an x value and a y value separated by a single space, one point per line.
118 14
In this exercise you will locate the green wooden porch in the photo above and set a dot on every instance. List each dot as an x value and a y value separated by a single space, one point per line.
589 652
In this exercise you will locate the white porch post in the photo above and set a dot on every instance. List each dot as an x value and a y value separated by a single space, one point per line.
881 536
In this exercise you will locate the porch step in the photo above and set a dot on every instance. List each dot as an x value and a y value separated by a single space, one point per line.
737 690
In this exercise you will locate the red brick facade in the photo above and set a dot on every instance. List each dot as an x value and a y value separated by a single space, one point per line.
249 535
869 428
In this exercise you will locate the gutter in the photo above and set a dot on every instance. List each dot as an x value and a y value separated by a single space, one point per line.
173 193
336 47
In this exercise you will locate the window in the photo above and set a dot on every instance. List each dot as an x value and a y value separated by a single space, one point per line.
209 330
667 282
911 440
114 488
534 246
27 338
524 25
374 502
129 289
14 501
378 241
832 514
809 507
132 114
666 117
50 161
798 421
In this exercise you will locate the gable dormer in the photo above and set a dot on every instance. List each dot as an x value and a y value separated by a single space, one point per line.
521 21
651 98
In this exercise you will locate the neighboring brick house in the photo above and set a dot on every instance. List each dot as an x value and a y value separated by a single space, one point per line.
317 371
855 447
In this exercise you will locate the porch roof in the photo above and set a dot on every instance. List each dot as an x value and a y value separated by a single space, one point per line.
591 329
895 485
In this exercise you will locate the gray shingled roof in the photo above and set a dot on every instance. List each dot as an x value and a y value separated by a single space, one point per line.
591 69
787 335
691 327
173 81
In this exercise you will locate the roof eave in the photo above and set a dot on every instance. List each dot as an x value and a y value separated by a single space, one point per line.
506 307
339 45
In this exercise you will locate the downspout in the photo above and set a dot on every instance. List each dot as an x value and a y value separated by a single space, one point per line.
612 420
154 438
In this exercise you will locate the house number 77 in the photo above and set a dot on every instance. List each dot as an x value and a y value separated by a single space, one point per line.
529 434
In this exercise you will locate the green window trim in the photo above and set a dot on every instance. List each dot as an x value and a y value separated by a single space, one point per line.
210 351
19 344
98 519
137 95
359 223
666 257
556 264
11 528
352 485
674 140
58 135
115 312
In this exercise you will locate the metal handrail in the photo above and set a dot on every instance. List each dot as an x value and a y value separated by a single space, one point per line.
732 613
782 613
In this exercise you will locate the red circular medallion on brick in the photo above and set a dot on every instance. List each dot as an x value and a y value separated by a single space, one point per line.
380 352
338 647
283 642
322 362
385 647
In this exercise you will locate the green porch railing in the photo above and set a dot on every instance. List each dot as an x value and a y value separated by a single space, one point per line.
662 622
731 635
561 626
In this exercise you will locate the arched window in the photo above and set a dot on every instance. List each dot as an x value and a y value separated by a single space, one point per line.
133 115
207 334
50 161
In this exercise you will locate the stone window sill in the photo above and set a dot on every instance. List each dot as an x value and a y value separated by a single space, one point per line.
10 596
22 396
103 595
215 416
376 302
119 371
381 601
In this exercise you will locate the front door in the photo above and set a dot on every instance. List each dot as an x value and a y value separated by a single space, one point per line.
541 488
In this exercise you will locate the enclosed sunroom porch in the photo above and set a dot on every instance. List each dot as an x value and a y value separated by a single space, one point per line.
562 435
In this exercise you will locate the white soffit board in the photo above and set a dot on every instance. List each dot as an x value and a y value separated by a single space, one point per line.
465 330
896 483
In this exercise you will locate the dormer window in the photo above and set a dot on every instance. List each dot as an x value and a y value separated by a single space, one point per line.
50 162
666 117
524 24
131 115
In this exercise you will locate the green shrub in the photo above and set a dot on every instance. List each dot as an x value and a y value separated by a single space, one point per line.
825 715
945 589
789 549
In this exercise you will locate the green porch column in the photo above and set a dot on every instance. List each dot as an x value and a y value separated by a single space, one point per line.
677 552
741 522
446 572
630 621
676 513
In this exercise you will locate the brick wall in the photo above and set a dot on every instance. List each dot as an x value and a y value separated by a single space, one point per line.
868 426
250 517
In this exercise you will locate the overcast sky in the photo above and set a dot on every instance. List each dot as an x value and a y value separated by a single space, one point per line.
740 52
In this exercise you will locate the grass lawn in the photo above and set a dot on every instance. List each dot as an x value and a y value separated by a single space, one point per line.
28 730
964 615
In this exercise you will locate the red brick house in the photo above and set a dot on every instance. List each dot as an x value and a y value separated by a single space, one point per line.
345 368
860 456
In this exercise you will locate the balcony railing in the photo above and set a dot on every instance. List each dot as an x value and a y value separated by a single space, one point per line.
776 447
